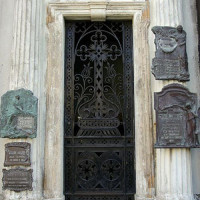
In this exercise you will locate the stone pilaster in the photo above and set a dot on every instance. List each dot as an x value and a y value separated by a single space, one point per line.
54 148
27 71
173 166
145 188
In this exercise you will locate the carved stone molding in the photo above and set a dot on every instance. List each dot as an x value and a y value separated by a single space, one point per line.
81 10
95 10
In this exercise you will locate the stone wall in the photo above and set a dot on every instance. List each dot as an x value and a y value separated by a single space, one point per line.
31 53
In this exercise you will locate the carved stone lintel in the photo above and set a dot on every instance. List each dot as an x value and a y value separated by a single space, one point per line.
170 61
176 117
97 11
17 179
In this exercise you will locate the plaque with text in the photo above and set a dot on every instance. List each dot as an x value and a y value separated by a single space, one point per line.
17 153
18 114
176 117
17 179
170 60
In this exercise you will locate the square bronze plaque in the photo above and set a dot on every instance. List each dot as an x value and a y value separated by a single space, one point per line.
17 153
17 179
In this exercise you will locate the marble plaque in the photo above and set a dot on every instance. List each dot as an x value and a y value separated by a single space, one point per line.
17 153
17 179
176 117
170 60
18 114
25 122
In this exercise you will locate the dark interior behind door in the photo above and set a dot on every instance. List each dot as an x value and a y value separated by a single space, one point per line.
99 132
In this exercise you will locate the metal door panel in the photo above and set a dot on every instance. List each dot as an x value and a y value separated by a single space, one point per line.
99 133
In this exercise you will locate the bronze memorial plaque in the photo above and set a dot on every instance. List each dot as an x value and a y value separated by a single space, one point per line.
170 60
18 114
17 153
17 179
176 117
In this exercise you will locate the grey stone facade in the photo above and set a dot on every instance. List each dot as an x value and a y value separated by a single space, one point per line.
31 57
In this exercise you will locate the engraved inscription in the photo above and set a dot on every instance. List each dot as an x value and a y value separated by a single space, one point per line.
17 153
170 60
171 127
17 179
167 68
176 117
25 122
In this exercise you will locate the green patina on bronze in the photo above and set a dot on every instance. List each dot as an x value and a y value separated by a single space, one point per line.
18 114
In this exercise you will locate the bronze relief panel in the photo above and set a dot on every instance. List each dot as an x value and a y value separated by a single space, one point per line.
18 114
170 60
176 117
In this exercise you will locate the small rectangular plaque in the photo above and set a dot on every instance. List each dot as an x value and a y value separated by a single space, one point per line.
172 126
17 153
25 122
166 68
17 179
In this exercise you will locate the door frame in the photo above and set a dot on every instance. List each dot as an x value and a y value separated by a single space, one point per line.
97 10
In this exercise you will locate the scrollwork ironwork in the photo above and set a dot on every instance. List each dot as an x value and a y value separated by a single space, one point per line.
92 103
99 136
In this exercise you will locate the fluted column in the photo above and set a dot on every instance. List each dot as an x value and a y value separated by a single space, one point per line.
173 166
27 72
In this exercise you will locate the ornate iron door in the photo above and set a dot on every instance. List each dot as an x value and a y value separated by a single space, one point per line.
99 134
